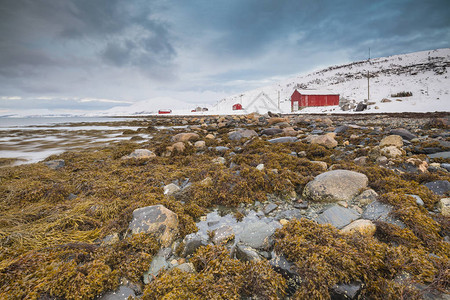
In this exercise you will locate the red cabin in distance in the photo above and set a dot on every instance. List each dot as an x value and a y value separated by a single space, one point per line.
164 111
237 106
305 98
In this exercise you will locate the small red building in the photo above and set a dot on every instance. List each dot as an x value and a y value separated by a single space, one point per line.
237 106
305 98
164 111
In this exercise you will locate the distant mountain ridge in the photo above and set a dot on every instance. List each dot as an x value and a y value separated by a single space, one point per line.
424 74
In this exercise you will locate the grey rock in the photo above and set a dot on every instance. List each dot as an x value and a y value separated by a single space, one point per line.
344 291
156 220
158 264
171 189
243 133
301 154
122 293
72 196
191 243
377 211
213 223
271 131
246 253
219 160
260 167
186 267
222 149
439 187
284 139
361 106
270 208
336 185
223 234
165 252
140 153
341 129
256 234
419 200
111 239
55 164
445 166
366 197
403 133
301 205
337 216
316 131
283 266
289 214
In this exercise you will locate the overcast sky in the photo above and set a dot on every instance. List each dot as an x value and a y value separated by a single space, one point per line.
80 55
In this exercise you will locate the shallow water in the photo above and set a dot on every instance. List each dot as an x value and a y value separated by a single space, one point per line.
33 139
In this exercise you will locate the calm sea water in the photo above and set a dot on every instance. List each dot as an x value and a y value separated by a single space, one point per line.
40 121
34 139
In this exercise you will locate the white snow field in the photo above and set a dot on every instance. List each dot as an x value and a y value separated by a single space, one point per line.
425 74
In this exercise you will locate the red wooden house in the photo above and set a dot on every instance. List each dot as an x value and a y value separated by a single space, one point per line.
305 98
237 106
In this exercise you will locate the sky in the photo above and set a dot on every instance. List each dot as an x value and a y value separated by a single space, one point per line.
92 55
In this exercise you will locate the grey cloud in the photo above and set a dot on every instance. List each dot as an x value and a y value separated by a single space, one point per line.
42 32
55 104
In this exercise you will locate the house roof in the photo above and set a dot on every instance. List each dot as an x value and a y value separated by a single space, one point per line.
316 92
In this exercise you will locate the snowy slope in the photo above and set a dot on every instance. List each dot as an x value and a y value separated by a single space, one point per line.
425 74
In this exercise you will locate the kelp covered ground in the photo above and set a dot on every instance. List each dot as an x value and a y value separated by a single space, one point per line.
63 232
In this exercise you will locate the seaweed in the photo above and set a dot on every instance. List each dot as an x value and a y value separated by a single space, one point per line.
218 276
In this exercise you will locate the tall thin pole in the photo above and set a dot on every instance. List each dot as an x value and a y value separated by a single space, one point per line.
278 99
368 80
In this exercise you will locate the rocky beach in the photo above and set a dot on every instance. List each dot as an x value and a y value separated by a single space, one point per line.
235 207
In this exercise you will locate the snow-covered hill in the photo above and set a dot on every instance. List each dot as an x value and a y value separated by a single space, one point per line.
425 74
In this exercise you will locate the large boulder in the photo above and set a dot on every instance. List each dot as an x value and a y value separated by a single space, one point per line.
439 187
157 220
324 140
364 227
185 136
140 154
403 133
392 140
391 151
334 186
242 133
